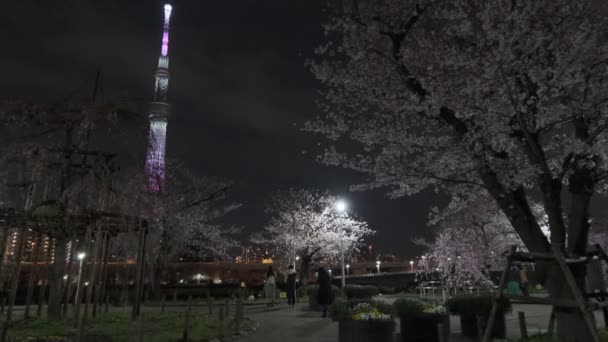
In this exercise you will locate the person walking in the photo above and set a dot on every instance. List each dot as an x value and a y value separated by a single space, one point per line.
324 293
291 286
523 280
513 281
270 287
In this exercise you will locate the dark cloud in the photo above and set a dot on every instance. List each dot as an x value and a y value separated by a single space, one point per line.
239 89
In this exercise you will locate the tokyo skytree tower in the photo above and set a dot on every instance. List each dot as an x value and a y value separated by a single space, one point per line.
158 112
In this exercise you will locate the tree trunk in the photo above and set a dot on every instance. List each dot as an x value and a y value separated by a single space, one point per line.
56 271
571 326
304 269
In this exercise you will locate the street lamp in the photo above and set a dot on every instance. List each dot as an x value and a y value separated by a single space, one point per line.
347 269
378 266
412 265
198 278
80 257
341 207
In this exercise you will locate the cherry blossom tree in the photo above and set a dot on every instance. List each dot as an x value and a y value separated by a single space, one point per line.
304 223
504 98
470 243
184 219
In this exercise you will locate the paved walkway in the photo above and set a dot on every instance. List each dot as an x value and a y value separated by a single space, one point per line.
283 324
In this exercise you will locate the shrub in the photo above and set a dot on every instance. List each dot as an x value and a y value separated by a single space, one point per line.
473 304
312 292
358 309
361 291
416 306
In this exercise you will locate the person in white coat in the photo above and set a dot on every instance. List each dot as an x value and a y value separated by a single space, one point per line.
270 287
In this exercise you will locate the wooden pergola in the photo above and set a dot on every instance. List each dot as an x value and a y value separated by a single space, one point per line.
92 225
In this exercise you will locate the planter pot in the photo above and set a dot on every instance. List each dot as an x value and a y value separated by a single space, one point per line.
364 331
423 327
468 325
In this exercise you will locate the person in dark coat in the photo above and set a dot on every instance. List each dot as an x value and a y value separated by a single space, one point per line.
324 295
291 286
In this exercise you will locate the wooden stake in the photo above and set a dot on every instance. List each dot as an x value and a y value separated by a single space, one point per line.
187 320
503 283
522 324
440 333
210 303
140 328
587 315
221 324
141 252
551 327
101 276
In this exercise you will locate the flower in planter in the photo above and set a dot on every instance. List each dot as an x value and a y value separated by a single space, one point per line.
367 312
435 309
360 310
412 306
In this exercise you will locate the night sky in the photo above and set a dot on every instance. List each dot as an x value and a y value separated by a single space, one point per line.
239 90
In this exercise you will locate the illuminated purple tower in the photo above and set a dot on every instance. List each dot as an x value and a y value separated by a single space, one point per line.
158 112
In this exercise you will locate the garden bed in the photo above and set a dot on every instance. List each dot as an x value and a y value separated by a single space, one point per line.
118 327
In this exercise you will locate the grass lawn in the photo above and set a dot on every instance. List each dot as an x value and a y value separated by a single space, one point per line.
158 327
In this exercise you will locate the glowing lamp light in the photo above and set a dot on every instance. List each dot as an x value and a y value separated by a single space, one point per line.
81 255
341 206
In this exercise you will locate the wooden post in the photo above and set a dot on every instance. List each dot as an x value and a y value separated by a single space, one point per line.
162 303
440 333
93 272
503 283
140 328
101 280
480 325
580 301
175 296
68 272
522 324
210 304
141 250
551 327
45 281
32 276
187 320
227 306
221 324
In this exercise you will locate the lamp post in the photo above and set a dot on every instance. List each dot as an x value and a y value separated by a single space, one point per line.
378 266
341 207
347 269
412 265
198 278
80 257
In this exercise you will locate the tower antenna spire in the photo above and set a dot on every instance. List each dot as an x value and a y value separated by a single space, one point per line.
159 111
